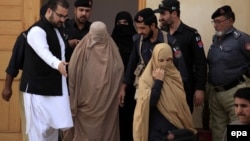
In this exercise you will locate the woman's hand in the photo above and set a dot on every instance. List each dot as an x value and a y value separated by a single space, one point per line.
158 74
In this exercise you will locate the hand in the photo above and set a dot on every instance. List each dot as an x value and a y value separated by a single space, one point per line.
62 68
73 42
7 93
198 97
122 94
158 74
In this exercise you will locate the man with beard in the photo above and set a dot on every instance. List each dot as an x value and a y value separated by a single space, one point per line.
148 36
192 49
228 60
46 106
75 29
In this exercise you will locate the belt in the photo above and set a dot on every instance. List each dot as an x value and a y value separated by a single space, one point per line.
234 83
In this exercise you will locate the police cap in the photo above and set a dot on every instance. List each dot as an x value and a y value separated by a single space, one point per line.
169 5
224 11
145 15
83 3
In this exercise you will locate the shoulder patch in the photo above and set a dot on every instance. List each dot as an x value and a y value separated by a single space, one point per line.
247 46
198 40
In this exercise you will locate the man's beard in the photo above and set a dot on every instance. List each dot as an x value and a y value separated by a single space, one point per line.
82 19
219 33
56 25
150 34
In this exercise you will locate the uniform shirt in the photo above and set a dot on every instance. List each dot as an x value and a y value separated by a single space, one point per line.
146 52
194 55
228 58
71 31
17 57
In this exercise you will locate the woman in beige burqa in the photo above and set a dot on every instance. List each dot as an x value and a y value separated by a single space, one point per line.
161 105
95 74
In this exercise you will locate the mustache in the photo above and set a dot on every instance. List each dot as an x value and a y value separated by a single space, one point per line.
241 115
83 17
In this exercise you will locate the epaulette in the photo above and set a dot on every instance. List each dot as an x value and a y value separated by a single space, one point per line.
236 34
136 37
191 29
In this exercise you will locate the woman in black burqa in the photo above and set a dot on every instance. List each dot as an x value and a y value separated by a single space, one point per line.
123 36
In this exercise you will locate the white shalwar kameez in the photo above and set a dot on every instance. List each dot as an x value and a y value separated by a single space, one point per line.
46 114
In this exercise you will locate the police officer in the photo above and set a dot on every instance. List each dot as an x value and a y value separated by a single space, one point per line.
148 36
75 29
228 60
192 49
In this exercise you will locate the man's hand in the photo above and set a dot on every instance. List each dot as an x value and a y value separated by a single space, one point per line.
62 68
6 93
73 42
122 94
198 97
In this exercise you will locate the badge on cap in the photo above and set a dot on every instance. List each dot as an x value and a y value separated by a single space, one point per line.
247 46
140 19
222 11
173 8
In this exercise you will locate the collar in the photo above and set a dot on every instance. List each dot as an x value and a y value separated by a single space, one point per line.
179 29
229 31
86 26
159 37
47 23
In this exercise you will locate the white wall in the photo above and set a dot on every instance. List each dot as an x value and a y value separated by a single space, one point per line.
197 13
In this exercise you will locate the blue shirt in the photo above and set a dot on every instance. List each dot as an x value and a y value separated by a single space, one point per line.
228 58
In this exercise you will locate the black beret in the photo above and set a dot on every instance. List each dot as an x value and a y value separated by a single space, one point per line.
84 3
169 5
224 11
145 15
